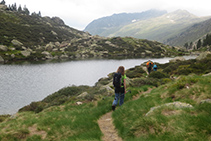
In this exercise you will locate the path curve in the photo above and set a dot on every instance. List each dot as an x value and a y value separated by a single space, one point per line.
106 123
108 129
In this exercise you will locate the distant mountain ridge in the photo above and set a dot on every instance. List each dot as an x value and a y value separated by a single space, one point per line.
162 28
105 25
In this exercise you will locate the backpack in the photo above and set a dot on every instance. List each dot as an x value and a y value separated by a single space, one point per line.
117 80
149 64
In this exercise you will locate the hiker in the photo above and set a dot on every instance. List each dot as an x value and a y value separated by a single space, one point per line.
149 66
119 83
155 67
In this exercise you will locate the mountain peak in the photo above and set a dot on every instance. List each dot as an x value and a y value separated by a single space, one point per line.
182 13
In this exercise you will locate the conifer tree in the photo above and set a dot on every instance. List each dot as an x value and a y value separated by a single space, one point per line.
3 2
199 44
186 46
20 9
25 10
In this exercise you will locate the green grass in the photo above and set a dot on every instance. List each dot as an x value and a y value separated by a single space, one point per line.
168 123
65 122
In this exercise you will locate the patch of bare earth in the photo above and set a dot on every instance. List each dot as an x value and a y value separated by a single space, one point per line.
140 93
33 131
108 129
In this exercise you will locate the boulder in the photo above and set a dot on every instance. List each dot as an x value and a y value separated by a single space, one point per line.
63 56
202 55
49 46
1 60
3 7
83 95
177 104
26 53
208 74
58 20
3 48
177 59
205 101
16 43
79 103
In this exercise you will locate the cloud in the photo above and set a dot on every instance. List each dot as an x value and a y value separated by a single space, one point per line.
79 13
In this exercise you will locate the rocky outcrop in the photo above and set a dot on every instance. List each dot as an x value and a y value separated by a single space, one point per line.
202 55
16 43
177 59
177 104
83 95
3 48
1 60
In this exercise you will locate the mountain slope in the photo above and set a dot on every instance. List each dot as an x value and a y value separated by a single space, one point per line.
107 25
191 33
35 38
160 28
33 30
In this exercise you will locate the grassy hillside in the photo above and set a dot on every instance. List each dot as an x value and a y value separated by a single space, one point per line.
159 28
191 34
35 38
33 30
176 109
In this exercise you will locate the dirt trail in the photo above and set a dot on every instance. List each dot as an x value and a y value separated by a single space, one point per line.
108 129
106 124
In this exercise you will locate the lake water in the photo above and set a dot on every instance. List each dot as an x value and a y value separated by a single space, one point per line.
22 84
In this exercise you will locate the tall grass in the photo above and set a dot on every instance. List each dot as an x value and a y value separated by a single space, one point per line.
168 123
65 122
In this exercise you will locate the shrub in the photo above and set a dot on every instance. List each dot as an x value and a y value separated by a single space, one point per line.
138 82
158 75
135 72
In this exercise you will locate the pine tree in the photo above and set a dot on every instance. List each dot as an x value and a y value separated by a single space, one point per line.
3 2
20 9
199 44
25 10
186 46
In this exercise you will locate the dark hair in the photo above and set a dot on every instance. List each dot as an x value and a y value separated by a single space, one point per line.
121 70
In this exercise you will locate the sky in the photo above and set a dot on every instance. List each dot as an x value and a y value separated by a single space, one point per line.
79 13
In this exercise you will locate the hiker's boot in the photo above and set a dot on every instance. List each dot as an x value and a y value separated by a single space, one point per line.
113 107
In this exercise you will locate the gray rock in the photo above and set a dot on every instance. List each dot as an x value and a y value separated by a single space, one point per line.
206 101
49 46
13 55
208 74
202 55
63 56
3 7
26 53
16 43
174 104
83 95
177 59
1 60
3 48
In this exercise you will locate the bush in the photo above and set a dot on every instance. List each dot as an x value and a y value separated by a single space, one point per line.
158 75
138 82
135 72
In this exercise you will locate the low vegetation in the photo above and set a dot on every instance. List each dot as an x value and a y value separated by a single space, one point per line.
177 108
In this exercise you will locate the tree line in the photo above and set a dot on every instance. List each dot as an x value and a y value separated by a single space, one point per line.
19 9
200 43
